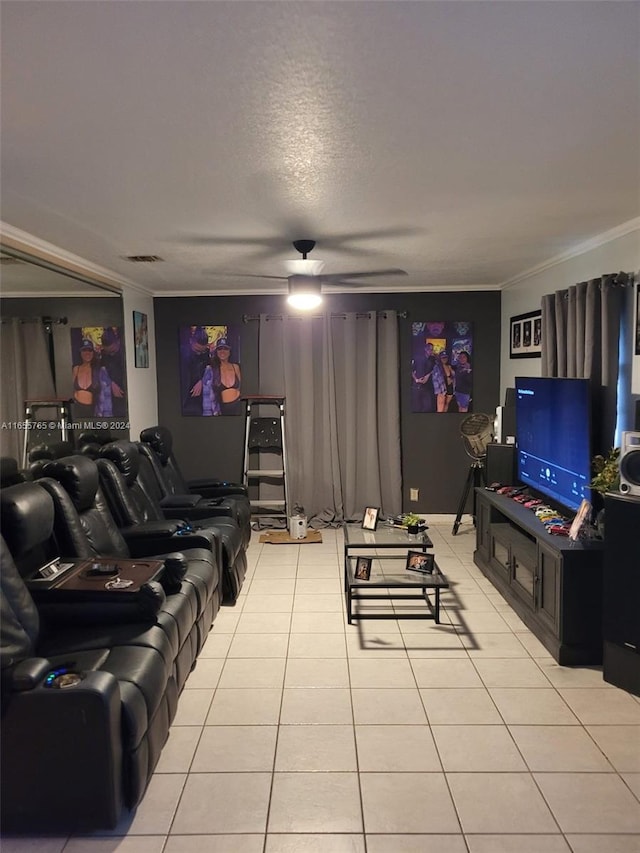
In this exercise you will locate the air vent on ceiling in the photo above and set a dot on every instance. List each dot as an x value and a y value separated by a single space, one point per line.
143 259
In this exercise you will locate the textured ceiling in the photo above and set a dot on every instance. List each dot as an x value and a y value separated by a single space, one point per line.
463 142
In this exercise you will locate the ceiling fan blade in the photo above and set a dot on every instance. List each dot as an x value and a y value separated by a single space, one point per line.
334 278
218 274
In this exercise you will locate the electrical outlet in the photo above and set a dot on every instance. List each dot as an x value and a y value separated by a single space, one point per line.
414 494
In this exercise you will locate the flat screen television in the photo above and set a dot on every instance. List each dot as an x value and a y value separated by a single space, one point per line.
553 433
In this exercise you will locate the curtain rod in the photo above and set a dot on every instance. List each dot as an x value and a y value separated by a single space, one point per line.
621 279
47 321
247 318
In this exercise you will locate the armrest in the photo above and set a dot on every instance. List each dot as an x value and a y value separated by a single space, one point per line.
62 756
26 675
209 508
212 488
102 606
151 530
180 501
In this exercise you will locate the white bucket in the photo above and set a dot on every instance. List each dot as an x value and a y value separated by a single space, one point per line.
298 526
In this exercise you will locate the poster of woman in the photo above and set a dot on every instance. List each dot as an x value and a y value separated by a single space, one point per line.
210 373
441 366
99 379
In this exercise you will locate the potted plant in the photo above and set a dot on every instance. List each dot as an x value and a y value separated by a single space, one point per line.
606 478
412 522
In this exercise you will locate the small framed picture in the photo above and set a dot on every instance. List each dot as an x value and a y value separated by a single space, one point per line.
140 339
370 520
581 521
418 561
363 568
526 335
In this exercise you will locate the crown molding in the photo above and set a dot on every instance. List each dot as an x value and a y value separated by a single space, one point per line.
579 249
65 262
328 291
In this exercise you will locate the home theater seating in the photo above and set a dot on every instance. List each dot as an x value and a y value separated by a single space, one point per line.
91 678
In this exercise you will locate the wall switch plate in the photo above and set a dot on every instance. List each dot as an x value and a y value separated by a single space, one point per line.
414 494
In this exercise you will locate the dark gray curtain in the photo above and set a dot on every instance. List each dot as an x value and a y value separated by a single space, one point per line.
339 375
26 374
581 329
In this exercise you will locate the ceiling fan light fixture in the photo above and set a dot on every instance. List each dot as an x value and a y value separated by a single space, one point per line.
304 266
304 293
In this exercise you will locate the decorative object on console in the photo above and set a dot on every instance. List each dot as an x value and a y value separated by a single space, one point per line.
525 338
606 472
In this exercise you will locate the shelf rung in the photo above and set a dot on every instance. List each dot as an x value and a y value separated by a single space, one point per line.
267 503
265 472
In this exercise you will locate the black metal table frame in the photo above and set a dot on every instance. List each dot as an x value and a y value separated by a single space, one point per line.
352 586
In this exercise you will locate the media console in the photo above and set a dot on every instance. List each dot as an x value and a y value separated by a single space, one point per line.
552 583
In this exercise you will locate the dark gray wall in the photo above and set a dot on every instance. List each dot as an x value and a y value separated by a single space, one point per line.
433 457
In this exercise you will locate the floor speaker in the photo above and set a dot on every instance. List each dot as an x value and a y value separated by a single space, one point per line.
501 464
630 463
621 625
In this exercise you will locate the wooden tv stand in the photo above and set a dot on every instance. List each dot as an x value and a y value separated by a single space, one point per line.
553 584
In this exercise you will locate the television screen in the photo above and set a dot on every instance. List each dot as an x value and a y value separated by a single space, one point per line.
553 426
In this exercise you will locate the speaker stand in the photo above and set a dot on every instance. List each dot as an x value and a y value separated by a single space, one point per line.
475 478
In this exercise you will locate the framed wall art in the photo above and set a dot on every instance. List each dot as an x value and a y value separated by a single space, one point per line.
442 366
525 335
140 339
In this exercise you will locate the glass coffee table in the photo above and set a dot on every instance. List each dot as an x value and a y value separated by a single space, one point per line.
385 546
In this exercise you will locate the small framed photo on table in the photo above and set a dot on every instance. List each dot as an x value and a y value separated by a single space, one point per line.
418 561
362 570
370 520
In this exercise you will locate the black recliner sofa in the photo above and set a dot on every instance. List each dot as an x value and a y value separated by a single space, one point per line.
85 527
131 490
87 701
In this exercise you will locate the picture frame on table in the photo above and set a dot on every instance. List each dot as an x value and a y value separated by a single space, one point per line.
525 335
362 571
370 518
419 561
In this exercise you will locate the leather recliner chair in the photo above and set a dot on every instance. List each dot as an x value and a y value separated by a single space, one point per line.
172 483
130 488
86 709
84 527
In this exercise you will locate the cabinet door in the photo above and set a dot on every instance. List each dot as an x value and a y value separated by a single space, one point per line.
523 570
500 553
548 587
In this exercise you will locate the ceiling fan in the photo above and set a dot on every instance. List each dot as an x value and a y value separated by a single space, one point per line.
306 279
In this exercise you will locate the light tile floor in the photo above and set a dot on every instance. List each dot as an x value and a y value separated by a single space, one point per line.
297 733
